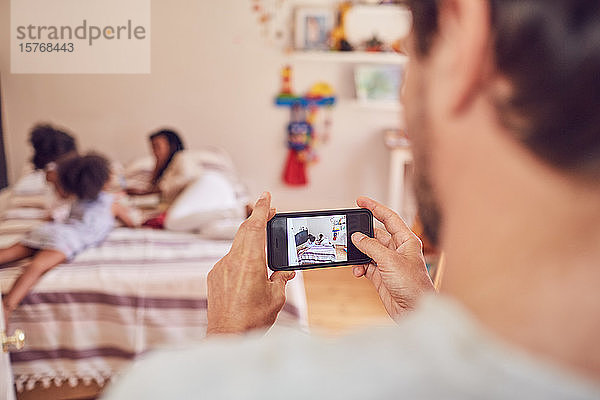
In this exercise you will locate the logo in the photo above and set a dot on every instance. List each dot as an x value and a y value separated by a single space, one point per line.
80 36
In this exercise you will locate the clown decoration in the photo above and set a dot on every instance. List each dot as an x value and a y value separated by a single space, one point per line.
302 136
299 144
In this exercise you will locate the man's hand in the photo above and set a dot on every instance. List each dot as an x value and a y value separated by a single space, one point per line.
398 273
241 296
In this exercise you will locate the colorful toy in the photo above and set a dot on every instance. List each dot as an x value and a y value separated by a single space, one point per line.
286 85
302 137
338 35
299 144
374 44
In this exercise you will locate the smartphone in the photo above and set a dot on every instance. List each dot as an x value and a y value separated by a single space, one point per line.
316 239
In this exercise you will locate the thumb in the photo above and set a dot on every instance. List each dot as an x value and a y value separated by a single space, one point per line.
371 247
280 278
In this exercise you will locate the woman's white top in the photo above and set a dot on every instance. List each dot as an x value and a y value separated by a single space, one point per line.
182 171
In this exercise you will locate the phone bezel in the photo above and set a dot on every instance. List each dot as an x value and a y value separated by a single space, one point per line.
320 213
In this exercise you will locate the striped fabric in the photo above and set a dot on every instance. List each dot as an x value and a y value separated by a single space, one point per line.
317 253
141 289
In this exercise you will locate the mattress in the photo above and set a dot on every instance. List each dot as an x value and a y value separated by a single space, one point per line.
140 290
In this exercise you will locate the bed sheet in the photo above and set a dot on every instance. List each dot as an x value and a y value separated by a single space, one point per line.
141 289
317 253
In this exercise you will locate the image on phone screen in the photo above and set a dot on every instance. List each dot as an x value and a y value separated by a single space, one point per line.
317 240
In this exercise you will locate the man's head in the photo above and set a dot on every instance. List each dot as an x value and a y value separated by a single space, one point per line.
519 74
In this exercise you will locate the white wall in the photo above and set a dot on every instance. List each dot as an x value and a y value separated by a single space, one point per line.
322 225
213 79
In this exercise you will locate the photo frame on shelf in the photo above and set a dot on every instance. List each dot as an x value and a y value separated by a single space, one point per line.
313 26
378 83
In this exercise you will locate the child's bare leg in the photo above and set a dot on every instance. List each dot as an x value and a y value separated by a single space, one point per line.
43 261
4 327
15 252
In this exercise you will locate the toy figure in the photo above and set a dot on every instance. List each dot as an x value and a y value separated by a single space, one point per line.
301 134
374 44
299 140
286 76
318 92
338 35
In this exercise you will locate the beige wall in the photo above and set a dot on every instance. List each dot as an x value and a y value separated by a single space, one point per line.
213 79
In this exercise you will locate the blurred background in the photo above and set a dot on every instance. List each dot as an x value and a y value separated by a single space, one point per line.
215 71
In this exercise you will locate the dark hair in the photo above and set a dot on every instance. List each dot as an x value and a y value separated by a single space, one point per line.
49 145
83 176
175 145
550 52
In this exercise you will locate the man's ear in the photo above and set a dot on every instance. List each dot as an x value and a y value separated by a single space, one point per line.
465 36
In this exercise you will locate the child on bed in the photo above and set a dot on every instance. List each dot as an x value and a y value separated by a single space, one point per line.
91 219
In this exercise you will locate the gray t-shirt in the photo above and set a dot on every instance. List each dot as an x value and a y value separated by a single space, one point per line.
438 352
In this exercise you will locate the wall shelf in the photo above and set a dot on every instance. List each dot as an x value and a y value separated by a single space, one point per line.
352 57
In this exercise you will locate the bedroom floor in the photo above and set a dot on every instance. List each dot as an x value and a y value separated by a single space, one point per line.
338 302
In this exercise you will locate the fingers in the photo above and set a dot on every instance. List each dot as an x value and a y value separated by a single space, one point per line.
392 221
280 278
249 241
385 238
272 213
262 209
370 272
371 247
358 271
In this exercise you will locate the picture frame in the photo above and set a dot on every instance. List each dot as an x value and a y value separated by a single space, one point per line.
376 83
313 26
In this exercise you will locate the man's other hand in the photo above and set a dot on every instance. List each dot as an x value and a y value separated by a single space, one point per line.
241 295
398 273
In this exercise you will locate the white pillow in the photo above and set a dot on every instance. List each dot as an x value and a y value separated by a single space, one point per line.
210 198
31 184
223 229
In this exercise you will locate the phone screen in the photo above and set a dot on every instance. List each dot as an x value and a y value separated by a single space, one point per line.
316 239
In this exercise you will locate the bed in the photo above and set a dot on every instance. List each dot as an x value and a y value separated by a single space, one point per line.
141 289
316 253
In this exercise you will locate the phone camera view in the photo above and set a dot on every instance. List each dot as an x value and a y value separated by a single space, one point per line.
317 240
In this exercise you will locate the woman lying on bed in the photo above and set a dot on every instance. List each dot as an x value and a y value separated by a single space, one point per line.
174 169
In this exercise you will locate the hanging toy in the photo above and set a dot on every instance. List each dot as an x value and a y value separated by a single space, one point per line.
302 137
318 92
299 141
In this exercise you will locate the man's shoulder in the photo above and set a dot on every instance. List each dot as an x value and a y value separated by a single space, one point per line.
436 352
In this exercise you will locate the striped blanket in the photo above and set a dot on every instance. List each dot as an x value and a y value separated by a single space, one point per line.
141 289
317 253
